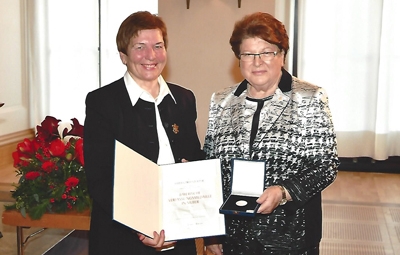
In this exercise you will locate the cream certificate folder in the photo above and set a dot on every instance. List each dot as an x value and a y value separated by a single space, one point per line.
183 198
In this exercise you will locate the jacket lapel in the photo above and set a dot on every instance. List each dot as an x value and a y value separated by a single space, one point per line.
127 119
278 105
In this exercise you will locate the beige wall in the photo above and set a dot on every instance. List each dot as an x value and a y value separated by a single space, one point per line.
13 86
200 57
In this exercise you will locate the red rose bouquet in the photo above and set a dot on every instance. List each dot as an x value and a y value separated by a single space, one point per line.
51 166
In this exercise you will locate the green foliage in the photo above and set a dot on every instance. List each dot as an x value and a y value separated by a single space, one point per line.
51 170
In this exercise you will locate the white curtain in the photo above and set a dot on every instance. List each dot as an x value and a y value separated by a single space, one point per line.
351 48
36 64
63 57
112 13
65 47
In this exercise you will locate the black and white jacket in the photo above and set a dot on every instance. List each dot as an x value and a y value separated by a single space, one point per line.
296 138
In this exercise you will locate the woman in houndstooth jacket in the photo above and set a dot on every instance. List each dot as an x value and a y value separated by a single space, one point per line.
284 121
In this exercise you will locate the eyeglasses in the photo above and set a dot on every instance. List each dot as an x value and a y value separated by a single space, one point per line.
264 56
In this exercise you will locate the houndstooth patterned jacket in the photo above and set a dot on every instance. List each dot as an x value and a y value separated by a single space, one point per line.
296 138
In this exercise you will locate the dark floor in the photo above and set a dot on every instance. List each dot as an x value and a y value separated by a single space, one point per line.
75 243
365 164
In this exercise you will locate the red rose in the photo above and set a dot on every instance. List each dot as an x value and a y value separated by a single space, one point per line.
57 148
48 166
72 182
26 147
17 158
39 156
32 175
36 144
20 159
79 151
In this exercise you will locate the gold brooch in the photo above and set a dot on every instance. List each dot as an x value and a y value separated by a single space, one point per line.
175 129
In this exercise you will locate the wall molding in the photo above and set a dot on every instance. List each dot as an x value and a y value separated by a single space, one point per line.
16 136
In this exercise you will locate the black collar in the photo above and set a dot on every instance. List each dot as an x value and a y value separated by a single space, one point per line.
285 84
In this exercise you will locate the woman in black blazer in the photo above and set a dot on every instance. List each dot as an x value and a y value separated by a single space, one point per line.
149 115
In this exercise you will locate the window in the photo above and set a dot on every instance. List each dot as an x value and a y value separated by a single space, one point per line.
350 49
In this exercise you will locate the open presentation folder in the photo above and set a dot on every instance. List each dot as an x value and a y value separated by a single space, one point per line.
183 198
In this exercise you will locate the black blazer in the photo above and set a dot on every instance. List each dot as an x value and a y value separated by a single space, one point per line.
110 116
